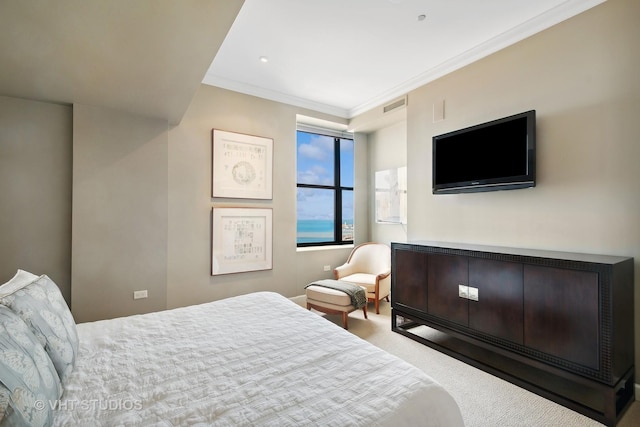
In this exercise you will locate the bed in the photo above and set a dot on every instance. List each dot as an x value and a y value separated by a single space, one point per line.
257 359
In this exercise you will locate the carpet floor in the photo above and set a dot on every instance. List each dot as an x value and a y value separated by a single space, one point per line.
484 400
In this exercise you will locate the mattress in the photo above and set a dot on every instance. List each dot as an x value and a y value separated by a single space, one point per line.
252 360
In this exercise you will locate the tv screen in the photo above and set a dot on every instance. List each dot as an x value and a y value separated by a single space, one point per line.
497 155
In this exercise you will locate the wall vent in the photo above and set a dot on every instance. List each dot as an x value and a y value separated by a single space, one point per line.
394 105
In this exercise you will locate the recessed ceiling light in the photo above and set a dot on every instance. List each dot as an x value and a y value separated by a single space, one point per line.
264 59
422 17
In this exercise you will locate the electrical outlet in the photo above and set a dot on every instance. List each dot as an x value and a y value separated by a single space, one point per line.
327 268
140 294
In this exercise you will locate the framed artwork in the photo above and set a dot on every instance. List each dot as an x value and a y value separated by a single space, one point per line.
242 165
241 240
391 196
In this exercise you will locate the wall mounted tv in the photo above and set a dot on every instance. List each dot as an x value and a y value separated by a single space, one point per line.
497 155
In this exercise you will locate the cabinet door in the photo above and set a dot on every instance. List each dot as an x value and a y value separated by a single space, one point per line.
498 311
561 313
445 273
409 279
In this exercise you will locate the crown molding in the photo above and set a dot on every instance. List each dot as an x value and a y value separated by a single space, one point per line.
535 25
221 82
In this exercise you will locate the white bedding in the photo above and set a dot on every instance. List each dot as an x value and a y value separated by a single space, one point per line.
257 359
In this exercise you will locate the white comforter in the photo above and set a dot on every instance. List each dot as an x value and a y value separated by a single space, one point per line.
252 360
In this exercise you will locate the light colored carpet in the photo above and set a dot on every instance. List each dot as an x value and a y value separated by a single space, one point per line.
484 400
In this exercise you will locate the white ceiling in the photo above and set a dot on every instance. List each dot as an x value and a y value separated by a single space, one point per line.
344 57
340 57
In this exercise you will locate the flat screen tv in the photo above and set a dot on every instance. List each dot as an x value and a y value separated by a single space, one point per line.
497 155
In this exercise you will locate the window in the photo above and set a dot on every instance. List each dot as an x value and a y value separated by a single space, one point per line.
324 189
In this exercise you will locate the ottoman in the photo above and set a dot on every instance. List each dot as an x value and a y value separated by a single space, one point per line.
323 296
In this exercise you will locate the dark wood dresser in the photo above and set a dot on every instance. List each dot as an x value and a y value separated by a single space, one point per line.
558 324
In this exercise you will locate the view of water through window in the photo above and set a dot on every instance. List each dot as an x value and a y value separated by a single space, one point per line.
324 197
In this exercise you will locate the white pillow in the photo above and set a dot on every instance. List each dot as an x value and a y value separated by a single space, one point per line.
41 306
28 375
21 279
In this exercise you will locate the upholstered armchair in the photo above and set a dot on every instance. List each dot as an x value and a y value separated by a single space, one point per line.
369 266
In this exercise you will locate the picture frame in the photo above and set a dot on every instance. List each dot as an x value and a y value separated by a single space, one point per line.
241 240
391 196
242 165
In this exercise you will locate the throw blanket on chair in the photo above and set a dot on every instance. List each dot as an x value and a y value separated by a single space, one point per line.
355 292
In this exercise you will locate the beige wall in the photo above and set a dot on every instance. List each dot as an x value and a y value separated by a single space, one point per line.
582 78
35 190
387 150
190 202
140 216
119 237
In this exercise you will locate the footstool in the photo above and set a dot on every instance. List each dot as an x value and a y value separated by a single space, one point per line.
326 296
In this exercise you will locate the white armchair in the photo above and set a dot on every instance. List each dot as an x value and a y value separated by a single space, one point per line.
369 266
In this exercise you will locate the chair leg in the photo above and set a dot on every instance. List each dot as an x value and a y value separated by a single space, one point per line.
387 298
345 316
377 299
364 308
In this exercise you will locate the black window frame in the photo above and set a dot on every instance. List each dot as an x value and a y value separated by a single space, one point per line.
337 190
